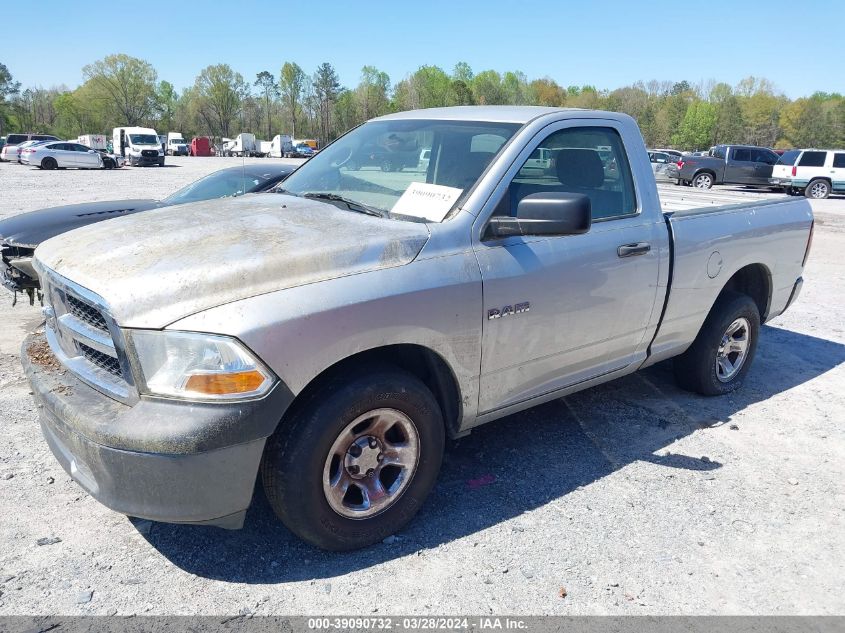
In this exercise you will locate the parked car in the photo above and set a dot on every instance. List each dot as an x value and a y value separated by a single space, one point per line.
111 161
21 234
674 154
425 157
327 340
12 153
728 165
61 155
302 151
660 164
816 173
9 152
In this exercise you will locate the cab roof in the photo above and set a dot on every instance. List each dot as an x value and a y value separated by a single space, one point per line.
491 113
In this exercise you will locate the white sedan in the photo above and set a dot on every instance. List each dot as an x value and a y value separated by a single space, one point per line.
61 154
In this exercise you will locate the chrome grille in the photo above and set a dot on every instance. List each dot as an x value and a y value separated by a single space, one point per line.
103 361
84 338
87 313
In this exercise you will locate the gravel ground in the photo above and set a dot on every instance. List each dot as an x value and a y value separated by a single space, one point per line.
631 498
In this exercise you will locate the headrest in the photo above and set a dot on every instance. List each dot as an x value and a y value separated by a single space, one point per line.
580 168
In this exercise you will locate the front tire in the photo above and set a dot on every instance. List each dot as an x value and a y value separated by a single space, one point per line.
703 181
721 355
356 460
817 189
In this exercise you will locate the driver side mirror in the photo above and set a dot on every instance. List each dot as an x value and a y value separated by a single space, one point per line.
551 213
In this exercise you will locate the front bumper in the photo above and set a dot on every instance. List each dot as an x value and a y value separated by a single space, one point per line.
164 460
145 160
16 271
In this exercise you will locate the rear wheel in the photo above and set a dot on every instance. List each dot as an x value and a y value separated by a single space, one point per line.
387 165
703 181
355 462
721 355
49 163
817 189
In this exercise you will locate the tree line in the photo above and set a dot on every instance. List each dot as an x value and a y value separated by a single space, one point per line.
123 90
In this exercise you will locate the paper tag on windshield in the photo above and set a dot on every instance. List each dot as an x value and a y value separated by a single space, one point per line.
423 200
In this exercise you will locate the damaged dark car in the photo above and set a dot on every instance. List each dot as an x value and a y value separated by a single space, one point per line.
21 234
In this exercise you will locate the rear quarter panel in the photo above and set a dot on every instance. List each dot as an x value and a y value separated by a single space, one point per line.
773 234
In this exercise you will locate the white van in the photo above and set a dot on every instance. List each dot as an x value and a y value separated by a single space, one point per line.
176 145
815 173
139 145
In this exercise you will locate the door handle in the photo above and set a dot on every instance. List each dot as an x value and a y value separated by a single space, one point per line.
630 250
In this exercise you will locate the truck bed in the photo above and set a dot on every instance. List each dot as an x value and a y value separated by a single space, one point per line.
676 198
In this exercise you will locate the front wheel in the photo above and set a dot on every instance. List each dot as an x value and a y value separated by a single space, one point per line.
355 462
703 181
817 189
721 355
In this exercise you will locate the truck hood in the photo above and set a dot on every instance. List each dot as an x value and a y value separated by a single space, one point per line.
157 267
30 229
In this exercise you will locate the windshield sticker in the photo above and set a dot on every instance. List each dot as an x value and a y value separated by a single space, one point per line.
427 201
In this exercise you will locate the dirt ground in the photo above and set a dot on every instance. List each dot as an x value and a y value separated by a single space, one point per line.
634 497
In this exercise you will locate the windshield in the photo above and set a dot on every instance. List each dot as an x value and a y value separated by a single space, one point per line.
218 185
789 158
143 139
378 165
177 141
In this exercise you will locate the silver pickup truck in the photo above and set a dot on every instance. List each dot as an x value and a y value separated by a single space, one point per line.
329 336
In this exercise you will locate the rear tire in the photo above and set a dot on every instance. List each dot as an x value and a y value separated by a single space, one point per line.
721 355
386 165
703 180
49 163
311 472
818 189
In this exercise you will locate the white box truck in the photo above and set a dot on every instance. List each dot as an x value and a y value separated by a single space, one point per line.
176 145
281 146
242 145
262 148
94 141
138 145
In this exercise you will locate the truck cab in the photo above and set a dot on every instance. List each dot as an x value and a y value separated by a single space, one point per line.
176 145
138 145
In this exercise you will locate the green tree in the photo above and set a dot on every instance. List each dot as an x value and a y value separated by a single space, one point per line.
166 100
696 131
220 92
8 88
546 92
126 85
292 82
487 88
326 85
269 92
372 93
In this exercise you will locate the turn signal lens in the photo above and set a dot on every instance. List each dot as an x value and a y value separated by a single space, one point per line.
225 384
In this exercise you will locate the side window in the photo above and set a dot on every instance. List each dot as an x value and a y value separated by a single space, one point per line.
741 154
718 152
586 160
839 160
765 156
812 159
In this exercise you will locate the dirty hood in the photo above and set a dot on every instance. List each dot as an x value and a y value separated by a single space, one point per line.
157 267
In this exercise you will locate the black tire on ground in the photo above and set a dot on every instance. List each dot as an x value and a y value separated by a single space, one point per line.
704 180
297 456
698 368
49 163
387 165
161 162
817 189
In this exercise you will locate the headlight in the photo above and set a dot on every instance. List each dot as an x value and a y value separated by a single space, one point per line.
197 366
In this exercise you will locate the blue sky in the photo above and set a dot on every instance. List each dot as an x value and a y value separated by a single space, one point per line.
606 43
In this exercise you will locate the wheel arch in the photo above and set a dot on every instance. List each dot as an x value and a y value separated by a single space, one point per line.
423 362
754 280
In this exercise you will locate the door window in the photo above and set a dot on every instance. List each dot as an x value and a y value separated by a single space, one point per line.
586 160
741 154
